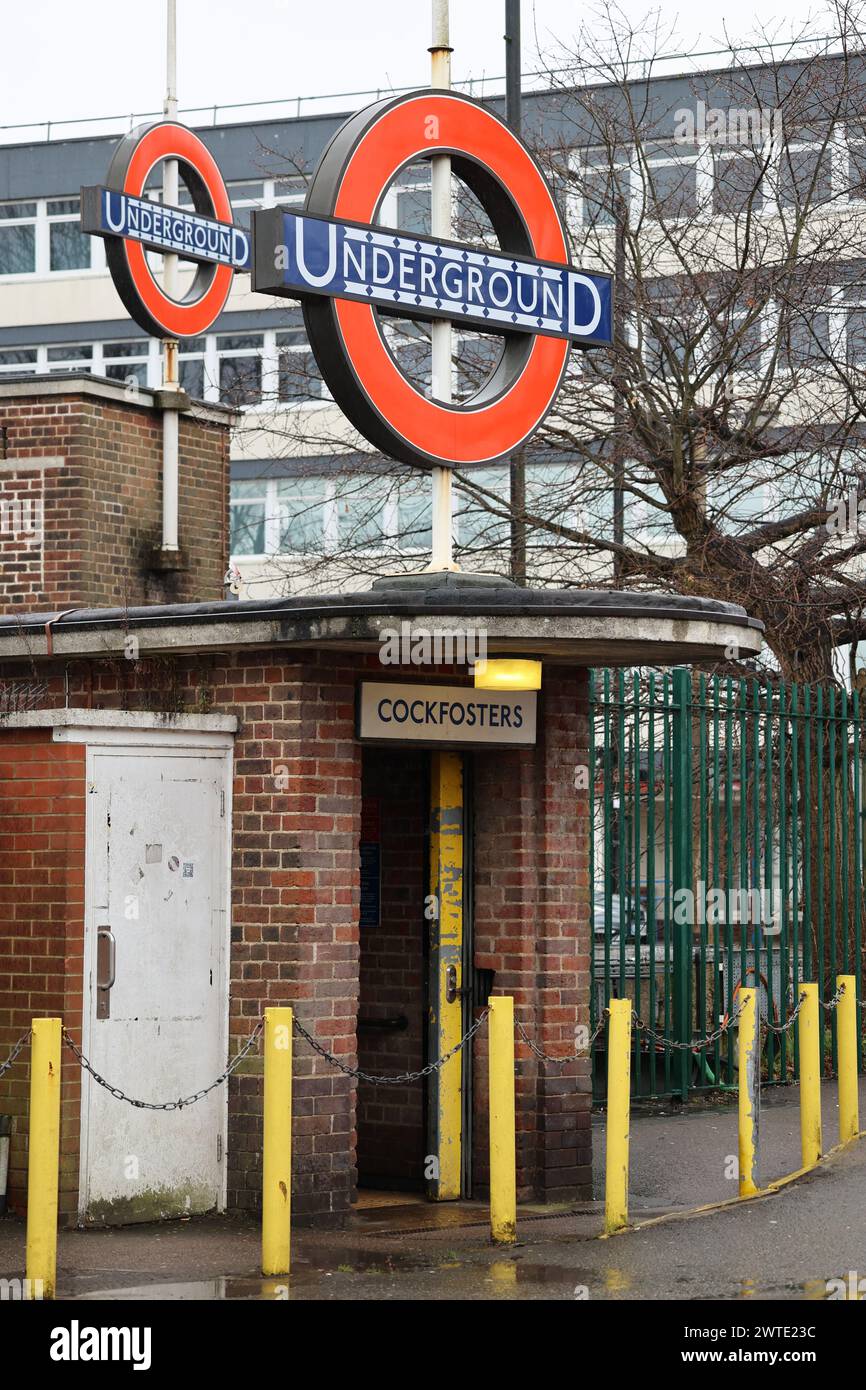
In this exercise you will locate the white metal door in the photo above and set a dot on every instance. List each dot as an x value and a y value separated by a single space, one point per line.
156 1000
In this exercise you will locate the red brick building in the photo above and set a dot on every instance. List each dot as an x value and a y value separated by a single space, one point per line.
194 830
80 497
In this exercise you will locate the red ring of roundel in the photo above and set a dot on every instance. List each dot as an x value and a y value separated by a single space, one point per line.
178 320
452 434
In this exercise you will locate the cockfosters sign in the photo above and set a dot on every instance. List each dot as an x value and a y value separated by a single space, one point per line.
446 714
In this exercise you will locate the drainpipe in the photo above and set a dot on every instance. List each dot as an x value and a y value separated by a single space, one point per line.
170 377
440 330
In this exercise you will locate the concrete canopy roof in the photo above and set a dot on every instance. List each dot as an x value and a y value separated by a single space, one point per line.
579 627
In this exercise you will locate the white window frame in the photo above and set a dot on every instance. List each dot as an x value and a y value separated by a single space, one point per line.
330 498
43 222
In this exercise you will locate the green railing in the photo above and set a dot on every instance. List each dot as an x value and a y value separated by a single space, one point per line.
726 850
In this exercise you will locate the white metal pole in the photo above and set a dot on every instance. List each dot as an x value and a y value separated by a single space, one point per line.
440 332
170 195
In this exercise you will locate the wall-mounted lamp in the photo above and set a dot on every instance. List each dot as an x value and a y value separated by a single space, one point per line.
507 673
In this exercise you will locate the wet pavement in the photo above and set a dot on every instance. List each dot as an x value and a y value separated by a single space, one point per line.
685 1155
784 1246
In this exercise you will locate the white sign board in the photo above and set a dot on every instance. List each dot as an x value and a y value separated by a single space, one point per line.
449 714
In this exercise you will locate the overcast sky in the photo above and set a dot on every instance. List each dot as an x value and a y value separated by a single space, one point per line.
64 59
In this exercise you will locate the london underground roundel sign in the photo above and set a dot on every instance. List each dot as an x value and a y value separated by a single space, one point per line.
131 224
347 270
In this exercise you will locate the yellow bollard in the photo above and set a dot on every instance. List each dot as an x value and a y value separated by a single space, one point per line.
503 1141
809 1025
846 1037
277 1143
750 1093
618 1100
43 1159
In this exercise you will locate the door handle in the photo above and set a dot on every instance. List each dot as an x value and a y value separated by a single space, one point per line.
452 993
106 934
106 961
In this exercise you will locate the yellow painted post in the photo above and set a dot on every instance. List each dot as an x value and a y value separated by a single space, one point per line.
809 1024
503 1137
277 1143
445 963
846 1036
43 1161
750 1094
618 1099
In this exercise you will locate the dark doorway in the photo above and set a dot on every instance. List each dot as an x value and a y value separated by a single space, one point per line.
392 1007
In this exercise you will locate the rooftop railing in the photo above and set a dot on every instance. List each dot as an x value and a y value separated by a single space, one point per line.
332 103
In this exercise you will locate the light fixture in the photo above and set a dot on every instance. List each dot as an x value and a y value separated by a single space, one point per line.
507 673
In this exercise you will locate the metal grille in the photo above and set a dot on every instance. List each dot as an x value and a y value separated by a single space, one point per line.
727 850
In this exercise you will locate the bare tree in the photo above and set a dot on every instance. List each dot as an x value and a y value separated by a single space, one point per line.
704 452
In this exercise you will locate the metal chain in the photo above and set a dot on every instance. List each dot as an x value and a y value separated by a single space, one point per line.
405 1076
697 1044
573 1056
168 1104
834 1002
13 1055
789 1021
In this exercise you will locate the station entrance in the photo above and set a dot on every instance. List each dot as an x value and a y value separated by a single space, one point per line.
417 986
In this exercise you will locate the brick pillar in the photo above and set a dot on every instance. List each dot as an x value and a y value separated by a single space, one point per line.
532 928
564 938
297 803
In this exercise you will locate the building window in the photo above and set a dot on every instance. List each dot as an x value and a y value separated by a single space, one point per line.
290 190
737 182
302 514
191 367
43 237
16 360
411 200
72 357
802 176
17 238
245 197
478 528
667 188
126 361
298 376
248 516
361 513
240 368
414 514
69 247
409 343
311 514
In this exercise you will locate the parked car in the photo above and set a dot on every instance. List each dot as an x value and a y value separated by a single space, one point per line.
634 913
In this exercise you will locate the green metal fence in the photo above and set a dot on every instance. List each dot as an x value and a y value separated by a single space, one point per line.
726 850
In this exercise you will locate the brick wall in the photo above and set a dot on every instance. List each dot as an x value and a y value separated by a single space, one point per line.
295 895
391 1119
81 499
297 801
42 939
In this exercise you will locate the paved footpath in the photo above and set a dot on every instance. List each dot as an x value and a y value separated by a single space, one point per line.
784 1246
